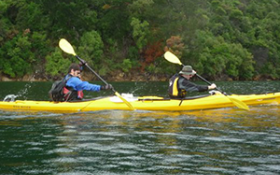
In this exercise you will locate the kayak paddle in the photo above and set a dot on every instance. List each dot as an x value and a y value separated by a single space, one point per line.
67 48
174 59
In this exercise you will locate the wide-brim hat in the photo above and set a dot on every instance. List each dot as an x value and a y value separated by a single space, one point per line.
187 70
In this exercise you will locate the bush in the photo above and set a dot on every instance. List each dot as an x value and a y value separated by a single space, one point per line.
56 65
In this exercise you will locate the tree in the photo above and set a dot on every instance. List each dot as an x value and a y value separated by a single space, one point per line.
17 57
91 48
56 65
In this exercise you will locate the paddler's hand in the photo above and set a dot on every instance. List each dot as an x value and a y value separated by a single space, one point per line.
106 87
82 64
212 86
194 72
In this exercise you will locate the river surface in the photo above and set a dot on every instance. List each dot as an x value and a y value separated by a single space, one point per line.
223 141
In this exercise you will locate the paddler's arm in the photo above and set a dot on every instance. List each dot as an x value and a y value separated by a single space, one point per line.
192 87
78 85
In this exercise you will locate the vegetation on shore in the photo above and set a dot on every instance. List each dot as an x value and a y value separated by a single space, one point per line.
221 39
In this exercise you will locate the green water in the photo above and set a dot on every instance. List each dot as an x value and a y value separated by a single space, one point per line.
224 141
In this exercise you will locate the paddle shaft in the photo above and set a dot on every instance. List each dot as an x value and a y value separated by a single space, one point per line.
85 63
67 47
203 79
174 59
235 101
208 82
116 93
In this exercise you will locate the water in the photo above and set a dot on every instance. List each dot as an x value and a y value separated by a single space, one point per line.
224 141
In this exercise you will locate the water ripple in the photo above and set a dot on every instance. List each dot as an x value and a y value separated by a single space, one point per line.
143 143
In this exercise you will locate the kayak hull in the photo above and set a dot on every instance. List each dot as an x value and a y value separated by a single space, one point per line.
142 103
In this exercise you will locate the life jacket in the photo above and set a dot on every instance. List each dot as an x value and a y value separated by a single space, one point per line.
70 94
173 89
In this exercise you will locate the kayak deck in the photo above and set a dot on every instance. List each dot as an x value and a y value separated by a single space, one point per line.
150 103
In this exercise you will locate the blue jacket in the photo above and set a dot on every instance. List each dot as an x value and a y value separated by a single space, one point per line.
79 85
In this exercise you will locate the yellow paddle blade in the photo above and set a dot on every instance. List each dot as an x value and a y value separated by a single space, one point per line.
125 101
66 46
172 58
239 104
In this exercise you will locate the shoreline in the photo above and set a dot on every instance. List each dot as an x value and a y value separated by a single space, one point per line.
120 77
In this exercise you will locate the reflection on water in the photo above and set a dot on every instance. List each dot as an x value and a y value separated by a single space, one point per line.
228 141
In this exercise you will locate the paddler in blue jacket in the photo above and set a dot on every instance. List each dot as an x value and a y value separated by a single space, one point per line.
180 84
74 86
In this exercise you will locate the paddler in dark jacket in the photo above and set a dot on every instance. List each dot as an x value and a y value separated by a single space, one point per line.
75 86
180 84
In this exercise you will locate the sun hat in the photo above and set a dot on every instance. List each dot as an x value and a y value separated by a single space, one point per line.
187 70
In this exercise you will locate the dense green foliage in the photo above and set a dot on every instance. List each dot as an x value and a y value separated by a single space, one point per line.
237 39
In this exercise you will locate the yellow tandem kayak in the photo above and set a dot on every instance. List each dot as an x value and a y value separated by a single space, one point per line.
150 103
